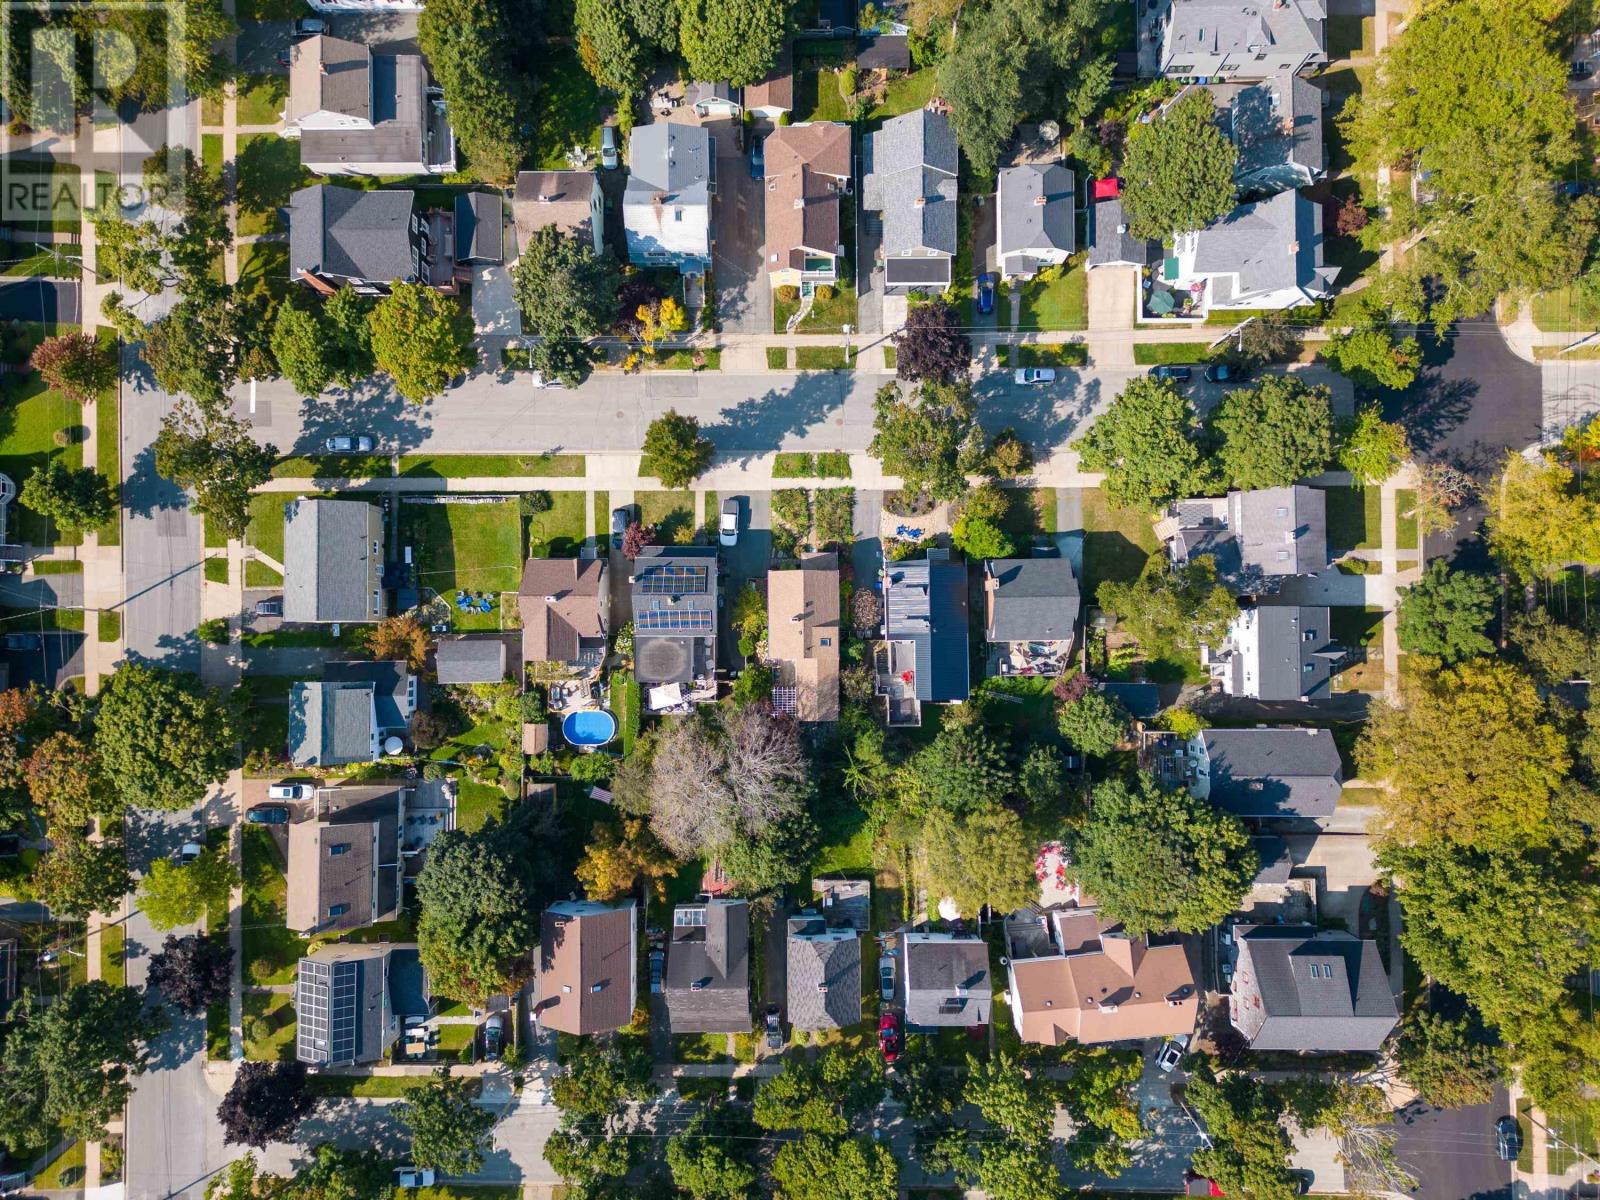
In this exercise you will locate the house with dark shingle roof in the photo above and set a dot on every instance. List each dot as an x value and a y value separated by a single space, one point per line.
944 980
1257 538
1110 242
674 593
1267 772
1030 613
566 611
352 1001
923 658
1265 254
1276 652
480 226
909 178
706 984
1296 987
332 561
344 867
774 95
1276 125
1036 211
588 966
333 724
824 978
807 171
347 237
460 660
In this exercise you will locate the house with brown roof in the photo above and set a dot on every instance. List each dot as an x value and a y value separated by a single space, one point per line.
807 171
568 201
1075 975
565 605
588 966
344 864
774 95
803 638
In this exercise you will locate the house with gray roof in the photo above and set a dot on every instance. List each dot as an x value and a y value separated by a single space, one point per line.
344 867
352 1001
674 591
333 724
466 660
706 984
394 689
1276 652
1266 772
666 205
1257 538
347 237
355 112
923 656
1030 613
824 979
1265 254
719 99
909 178
1276 125
944 980
1110 243
480 226
1239 39
1036 215
332 561
1296 987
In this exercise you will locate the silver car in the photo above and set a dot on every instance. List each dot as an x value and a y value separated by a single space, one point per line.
348 444
886 977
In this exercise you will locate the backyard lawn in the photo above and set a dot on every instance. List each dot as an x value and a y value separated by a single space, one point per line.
465 547
905 93
1354 521
672 514
268 1026
816 96
1060 303
567 111
1349 35
1359 630
270 950
1032 511
476 803
559 532
1117 542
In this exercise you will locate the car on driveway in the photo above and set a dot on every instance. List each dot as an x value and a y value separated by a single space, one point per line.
348 444
1507 1139
1176 373
889 1036
986 283
886 977
414 1177
272 606
1032 375
758 160
494 1037
1224 373
658 959
774 1028
609 159
1172 1053
306 26
620 519
268 814
728 525
289 791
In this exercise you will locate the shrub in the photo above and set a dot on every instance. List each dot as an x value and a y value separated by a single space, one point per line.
259 1030
534 503
1351 218
533 704
214 631
788 293
825 291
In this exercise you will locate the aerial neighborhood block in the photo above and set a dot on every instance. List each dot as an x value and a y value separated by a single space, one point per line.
803 638
588 966
333 561
909 177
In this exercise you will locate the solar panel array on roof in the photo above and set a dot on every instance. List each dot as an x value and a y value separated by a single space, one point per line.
325 1011
674 579
669 618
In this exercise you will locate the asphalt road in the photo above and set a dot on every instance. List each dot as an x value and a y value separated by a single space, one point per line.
1451 1151
39 300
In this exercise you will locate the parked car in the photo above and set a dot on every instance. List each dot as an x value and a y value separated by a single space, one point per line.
658 959
774 1028
414 1177
1176 373
886 978
348 444
268 814
289 791
23 641
1225 373
609 159
189 852
494 1037
1227 974
1032 375
986 283
13 1182
758 159
1507 1138
619 524
889 1036
306 26
272 606
1172 1053
539 381
728 526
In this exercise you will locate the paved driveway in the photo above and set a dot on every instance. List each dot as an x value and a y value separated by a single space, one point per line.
744 298
744 563
1170 1140
1451 1151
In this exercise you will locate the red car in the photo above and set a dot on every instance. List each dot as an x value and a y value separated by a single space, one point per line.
889 1036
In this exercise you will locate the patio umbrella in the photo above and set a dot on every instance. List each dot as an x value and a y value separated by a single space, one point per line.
1161 303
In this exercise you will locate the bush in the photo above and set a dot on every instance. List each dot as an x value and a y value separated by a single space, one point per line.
534 503
788 293
825 291
214 631
1351 218
259 1029
434 771
533 704
847 82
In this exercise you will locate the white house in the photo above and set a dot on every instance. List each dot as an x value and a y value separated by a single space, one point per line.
666 208
1240 39
1267 254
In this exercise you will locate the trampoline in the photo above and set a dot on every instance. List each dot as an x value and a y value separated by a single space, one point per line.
589 727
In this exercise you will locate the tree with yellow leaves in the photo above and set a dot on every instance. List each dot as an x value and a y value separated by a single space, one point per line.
618 859
658 319
1539 519
399 638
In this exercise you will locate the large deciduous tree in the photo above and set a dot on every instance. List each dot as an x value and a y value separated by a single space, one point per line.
67 784
733 40
1445 613
74 498
931 344
162 736
1274 433
421 339
1178 170
301 346
1372 449
963 769
469 46
1161 860
677 451
192 971
174 893
711 1157
1171 612
399 638
564 289
929 438
1449 1060
1094 723
265 1104
77 877
1147 445
609 45
448 1128
982 858
74 364
1247 1153
1539 521
1470 758
616 859
1372 354
815 1167
212 453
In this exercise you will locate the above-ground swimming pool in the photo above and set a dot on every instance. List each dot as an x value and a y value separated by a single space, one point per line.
589 727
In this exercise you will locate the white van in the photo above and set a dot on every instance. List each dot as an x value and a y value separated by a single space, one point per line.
608 147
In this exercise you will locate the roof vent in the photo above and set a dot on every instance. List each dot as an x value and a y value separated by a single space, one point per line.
920 202
1041 199
547 199
799 201
1049 1003
549 599
822 987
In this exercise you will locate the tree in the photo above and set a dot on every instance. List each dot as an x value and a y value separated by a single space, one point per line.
1178 171
1440 489
401 639
1094 723
931 344
597 1079
1470 758
962 769
735 40
74 499
564 289
70 1065
265 1104
162 736
75 365
609 46
66 783
1172 613
1274 433
1161 860
980 539
928 438
300 344
1248 1151
584 1155
676 451
77 877
448 1129
214 455
1372 355
616 859
658 318
1446 612
565 360
1373 449
349 334
822 1168
820 1096
1021 1107
1146 445
1102 1098
420 338
1450 1061
1269 339
636 537
1555 652
983 858
195 348
1538 521
1015 1170
469 46
335 1174
708 1163
19 714
192 971
173 893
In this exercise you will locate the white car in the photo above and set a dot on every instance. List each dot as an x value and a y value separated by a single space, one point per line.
289 791
539 381
1172 1053
347 444
1031 375
886 978
728 526
415 1177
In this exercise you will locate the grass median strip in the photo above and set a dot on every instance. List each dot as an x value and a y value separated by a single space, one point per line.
1149 354
821 358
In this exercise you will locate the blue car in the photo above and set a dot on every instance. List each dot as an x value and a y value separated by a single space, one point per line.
986 283
757 160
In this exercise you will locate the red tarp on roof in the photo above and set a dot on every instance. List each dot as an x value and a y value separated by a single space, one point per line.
1107 189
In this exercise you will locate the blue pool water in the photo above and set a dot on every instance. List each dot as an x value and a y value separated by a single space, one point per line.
589 727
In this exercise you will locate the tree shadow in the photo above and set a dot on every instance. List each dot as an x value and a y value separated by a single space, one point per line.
1431 408
759 424
371 407
1046 416
267 172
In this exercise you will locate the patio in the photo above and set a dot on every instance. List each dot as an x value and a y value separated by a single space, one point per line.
1167 297
895 664
1031 658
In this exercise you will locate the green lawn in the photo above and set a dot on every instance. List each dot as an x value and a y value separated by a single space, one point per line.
453 1038
1354 518
602 514
1349 35
331 466
1060 303
29 421
672 513
1031 511
219 1037
1117 542
1564 310
49 194
264 266
1149 354
821 358
799 465
816 96
777 358
826 316
1577 1130
270 950
851 854
683 360
1405 500
64 1173
113 961
261 99
276 1042
559 532
52 262
1062 354
476 803
467 466
567 110
387 1087
110 625
265 531
628 699
268 172
906 93
217 569
211 151
258 575
1359 630
469 547
700 1048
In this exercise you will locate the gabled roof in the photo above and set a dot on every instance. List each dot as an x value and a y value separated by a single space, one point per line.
329 74
803 635
706 983
1273 772
910 175
470 660
669 161
1270 245
563 199
1030 599
1228 27
925 603
347 233
720 92
777 89
1281 530
400 124
1317 990
1295 656
883 52
587 971
824 979
1037 209
1275 124
480 226
349 1000
348 859
330 724
806 166
1110 243
946 980
559 600
328 559
391 682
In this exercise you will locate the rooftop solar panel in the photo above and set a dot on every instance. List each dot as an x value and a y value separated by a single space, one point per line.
670 618
674 579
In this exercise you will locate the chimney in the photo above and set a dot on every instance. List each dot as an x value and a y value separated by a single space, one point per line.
991 584
921 202
546 199
550 599
799 201
1041 200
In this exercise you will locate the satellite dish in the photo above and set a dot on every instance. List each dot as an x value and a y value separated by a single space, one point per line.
1049 131
393 745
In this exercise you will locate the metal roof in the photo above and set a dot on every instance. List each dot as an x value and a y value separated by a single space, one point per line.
925 603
